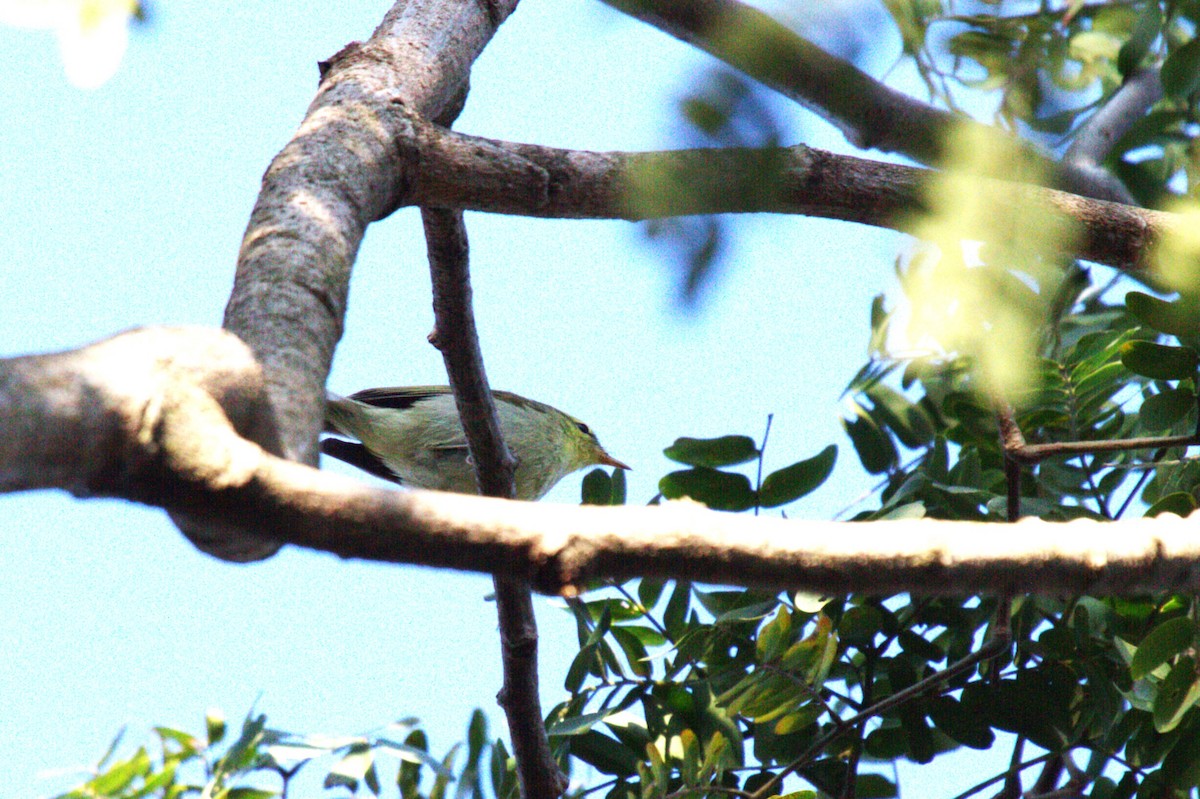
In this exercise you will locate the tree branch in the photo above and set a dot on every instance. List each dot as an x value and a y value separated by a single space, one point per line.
1092 143
341 171
456 336
530 180
141 416
869 113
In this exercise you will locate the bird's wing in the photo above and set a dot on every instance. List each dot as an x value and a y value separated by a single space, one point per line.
402 398
399 397
358 456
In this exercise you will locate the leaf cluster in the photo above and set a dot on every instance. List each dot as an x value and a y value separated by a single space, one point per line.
261 758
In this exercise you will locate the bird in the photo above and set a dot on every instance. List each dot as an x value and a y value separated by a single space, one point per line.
413 436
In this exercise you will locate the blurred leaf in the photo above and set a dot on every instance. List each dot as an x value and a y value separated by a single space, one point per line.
1159 361
1162 411
1181 71
906 419
120 775
1181 768
675 616
795 481
1174 317
1161 644
603 753
214 724
712 452
1180 503
1177 694
649 591
619 488
965 728
351 769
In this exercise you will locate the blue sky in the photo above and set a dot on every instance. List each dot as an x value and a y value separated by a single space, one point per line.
125 206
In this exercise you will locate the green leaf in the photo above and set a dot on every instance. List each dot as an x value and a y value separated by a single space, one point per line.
1160 412
1177 694
874 786
908 420
718 490
504 772
874 447
649 591
792 482
712 452
596 488
675 616
1179 503
214 723
121 774
1181 71
617 479
961 726
1159 361
1181 767
578 725
605 754
1161 644
635 652
860 625
1175 317
918 737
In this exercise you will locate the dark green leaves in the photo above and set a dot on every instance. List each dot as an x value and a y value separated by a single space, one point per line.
1161 412
1159 361
1181 71
707 483
716 489
1175 317
602 488
795 481
874 447
1162 643
712 453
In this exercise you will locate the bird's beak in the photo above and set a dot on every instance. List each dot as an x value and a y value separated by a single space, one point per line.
609 460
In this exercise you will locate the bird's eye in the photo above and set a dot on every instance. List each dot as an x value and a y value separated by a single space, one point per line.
587 431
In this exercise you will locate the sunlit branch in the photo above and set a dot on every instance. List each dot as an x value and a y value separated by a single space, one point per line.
465 172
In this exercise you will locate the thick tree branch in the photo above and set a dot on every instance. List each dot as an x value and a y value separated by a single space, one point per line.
341 171
574 184
456 336
1094 140
140 416
869 113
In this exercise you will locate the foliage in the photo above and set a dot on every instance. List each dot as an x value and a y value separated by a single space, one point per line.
261 758
680 689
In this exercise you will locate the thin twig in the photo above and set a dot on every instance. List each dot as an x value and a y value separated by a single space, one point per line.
1011 439
455 335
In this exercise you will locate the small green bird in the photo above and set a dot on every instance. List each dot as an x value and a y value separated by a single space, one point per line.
413 436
